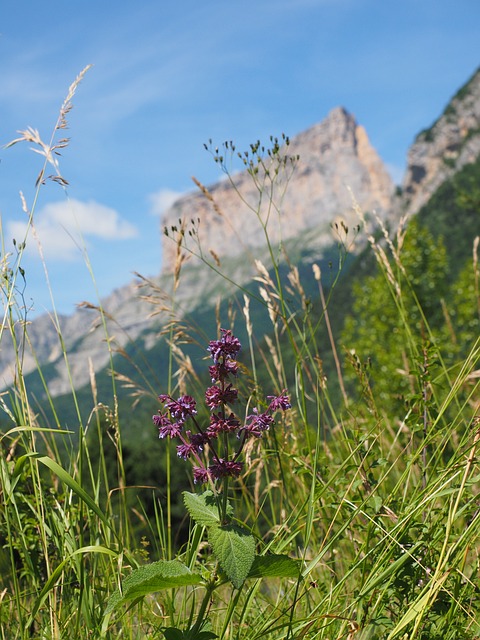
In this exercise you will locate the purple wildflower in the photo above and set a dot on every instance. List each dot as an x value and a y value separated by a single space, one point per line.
215 396
225 469
166 427
221 370
198 440
186 450
219 424
257 423
279 402
227 347
200 475
181 408
218 396
263 420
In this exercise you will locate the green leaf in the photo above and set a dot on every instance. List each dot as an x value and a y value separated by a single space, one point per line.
55 575
423 602
172 633
165 574
67 479
376 502
202 508
234 549
274 566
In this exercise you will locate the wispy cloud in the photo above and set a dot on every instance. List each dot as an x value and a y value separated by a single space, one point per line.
162 199
65 228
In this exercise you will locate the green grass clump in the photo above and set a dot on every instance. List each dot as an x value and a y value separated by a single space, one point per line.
358 510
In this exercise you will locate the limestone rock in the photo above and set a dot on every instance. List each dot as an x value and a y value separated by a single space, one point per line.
440 151
336 160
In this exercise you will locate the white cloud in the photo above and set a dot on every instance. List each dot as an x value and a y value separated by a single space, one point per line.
162 200
64 228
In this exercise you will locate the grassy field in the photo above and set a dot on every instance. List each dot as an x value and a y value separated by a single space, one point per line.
323 508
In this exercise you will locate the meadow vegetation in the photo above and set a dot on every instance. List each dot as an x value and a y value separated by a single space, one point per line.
345 506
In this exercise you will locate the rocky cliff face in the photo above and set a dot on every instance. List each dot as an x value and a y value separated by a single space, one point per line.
440 151
336 160
335 156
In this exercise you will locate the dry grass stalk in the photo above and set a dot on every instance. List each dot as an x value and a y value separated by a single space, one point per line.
318 277
379 251
51 150
294 280
275 359
246 313
208 196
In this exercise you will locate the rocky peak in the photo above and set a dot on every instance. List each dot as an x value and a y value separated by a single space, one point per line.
334 155
440 151
336 159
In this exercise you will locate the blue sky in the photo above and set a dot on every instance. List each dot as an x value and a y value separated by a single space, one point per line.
169 75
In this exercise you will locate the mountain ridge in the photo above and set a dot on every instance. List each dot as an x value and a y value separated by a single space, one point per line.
334 154
450 143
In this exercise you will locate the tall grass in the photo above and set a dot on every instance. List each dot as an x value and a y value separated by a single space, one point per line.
381 510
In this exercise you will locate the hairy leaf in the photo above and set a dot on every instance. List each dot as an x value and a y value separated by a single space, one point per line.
165 574
203 508
234 549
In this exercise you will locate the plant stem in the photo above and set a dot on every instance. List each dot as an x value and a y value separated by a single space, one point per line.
210 588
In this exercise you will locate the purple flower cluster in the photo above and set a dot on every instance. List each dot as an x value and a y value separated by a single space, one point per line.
215 462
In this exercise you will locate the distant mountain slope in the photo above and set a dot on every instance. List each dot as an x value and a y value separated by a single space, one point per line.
334 155
444 148
453 213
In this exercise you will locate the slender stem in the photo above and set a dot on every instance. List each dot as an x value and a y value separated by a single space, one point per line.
210 588
425 417
223 514
169 498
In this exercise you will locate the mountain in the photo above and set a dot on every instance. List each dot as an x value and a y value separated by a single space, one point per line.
333 156
440 151
335 161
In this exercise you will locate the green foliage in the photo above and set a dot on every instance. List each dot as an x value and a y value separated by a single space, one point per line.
356 517
165 574
274 566
203 508
462 325
394 313
452 214
233 546
235 549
